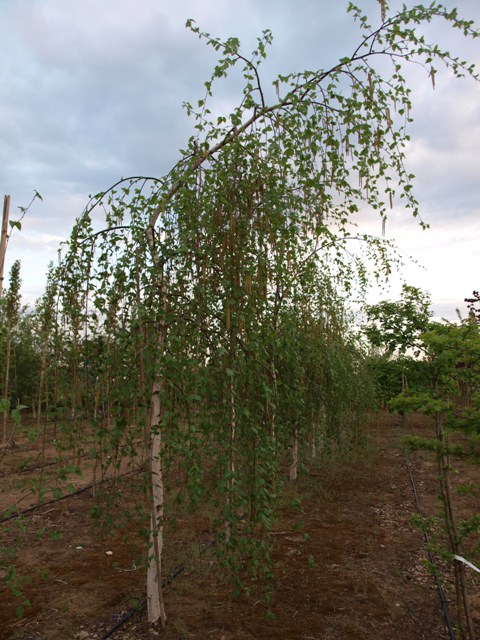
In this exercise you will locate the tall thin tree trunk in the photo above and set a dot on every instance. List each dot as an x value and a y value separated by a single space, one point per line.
313 440
16 398
6 383
273 405
43 367
293 474
155 603
55 397
463 600
231 461
143 342
404 390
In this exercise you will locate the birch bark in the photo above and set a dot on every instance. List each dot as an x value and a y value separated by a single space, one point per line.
155 602
294 465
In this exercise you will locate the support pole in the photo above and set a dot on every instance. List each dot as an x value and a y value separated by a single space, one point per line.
3 240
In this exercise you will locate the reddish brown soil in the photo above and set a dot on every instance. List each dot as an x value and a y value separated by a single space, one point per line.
348 563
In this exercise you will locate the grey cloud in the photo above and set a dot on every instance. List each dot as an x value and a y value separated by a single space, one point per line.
91 91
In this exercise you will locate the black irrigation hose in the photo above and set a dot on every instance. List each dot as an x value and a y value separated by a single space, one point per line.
170 578
42 465
5 474
44 504
67 495
441 593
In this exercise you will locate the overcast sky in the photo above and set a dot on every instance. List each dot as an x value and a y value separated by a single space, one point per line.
91 91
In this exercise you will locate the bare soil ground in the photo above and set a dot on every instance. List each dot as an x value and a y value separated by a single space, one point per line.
349 563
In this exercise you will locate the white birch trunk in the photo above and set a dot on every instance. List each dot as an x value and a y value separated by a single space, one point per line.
273 416
41 382
294 465
6 382
231 482
155 604
313 443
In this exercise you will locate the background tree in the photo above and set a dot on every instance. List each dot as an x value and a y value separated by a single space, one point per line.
46 319
474 306
451 396
12 305
397 326
394 329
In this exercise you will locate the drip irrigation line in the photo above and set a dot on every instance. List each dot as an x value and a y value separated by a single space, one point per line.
42 465
5 474
441 593
44 504
65 497
169 579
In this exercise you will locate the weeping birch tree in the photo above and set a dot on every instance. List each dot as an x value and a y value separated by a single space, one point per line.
239 258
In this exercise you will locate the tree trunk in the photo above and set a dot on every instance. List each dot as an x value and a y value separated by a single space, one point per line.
231 463
5 388
293 474
43 368
142 344
155 604
463 600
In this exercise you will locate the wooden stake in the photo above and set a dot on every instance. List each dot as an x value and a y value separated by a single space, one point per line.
3 240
